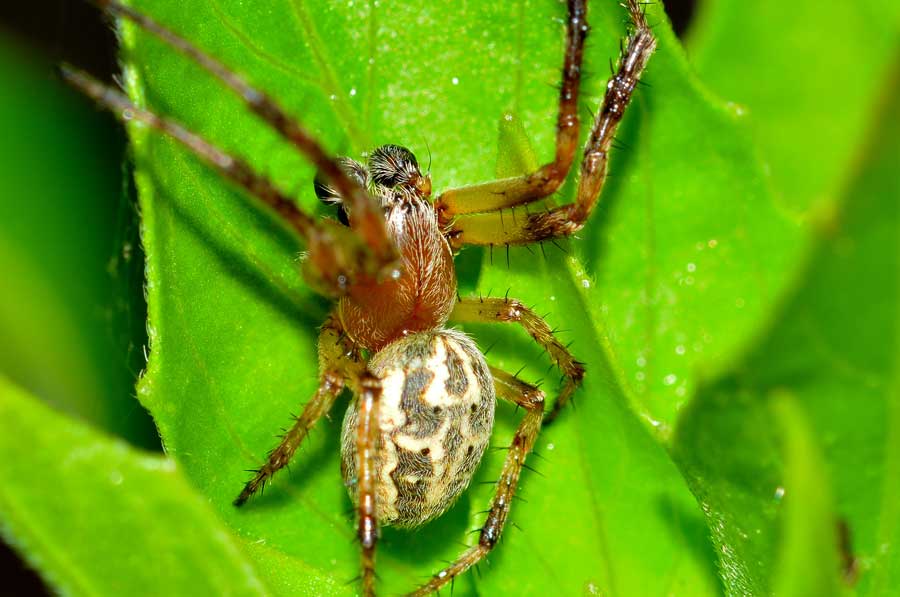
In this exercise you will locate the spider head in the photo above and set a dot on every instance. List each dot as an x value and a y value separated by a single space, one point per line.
392 174
396 168
328 195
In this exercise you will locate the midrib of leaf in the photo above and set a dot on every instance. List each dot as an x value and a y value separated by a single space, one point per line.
605 555
649 289
372 66
248 43
345 113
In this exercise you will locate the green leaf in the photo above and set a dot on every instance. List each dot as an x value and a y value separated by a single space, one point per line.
808 555
98 517
233 328
834 348
810 79
680 268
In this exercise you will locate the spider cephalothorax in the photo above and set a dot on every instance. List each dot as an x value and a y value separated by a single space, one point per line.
424 395
375 312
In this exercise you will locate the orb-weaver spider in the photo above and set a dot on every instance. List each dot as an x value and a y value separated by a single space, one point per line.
424 395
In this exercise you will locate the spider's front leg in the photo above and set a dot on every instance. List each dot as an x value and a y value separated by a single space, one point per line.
509 192
531 399
335 366
507 310
489 227
337 256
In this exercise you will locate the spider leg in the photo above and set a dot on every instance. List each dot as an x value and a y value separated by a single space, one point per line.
490 229
367 477
507 310
531 399
367 221
509 192
335 368
337 256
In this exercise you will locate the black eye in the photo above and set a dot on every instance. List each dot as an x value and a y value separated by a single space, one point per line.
329 196
326 193
391 165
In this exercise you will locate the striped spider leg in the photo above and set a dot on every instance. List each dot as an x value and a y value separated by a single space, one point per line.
472 214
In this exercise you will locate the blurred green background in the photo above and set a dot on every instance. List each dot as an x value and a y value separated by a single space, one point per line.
72 313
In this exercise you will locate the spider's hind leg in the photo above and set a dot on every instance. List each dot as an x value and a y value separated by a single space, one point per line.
335 368
508 310
367 433
531 399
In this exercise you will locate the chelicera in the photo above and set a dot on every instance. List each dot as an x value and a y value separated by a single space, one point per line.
424 395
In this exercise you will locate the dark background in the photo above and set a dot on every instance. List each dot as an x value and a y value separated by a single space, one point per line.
72 31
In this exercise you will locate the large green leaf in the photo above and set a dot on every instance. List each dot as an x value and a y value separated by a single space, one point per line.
810 78
833 350
681 267
233 328
117 521
675 292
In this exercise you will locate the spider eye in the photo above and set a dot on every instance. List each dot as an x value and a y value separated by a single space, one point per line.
391 165
326 193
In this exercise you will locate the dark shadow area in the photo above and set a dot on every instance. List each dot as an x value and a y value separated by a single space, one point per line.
62 31
307 313
18 578
681 13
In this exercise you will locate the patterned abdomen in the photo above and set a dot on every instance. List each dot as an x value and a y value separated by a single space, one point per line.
436 415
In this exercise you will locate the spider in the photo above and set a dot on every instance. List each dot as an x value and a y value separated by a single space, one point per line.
424 396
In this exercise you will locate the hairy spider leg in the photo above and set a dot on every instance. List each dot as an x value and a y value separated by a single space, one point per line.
509 192
380 256
510 388
490 228
507 310
337 365
367 434
337 256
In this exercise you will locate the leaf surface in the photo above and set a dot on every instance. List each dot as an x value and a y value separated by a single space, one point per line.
98 517
809 79
834 350
678 271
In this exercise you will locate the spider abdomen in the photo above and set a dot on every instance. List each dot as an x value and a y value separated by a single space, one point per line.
435 418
